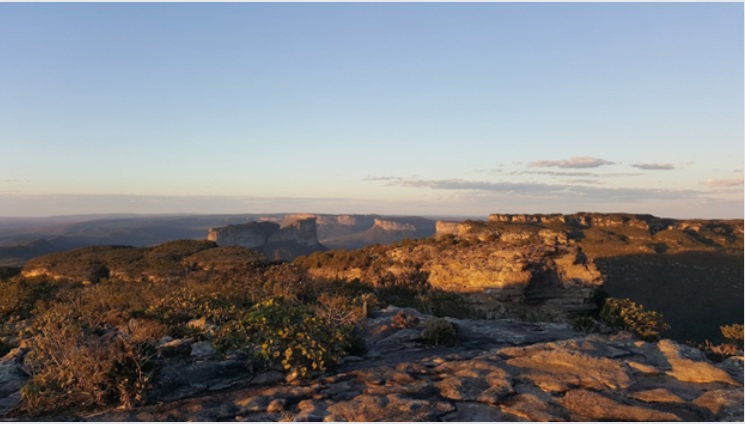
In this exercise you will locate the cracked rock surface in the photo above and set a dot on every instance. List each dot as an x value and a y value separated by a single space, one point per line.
501 371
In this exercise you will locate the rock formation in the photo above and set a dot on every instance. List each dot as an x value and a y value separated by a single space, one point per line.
251 235
297 237
541 267
500 371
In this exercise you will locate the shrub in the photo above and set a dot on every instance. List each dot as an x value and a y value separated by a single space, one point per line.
19 296
290 335
404 319
439 332
733 345
586 324
73 366
4 347
443 304
733 334
625 314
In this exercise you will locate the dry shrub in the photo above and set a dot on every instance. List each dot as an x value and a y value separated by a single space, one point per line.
404 319
74 367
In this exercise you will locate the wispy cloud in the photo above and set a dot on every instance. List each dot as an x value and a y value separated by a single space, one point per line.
490 171
584 181
380 178
566 191
555 173
576 162
723 183
654 166
577 174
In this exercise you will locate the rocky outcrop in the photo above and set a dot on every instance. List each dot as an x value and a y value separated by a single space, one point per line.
649 223
541 267
501 371
447 228
387 225
12 378
331 226
526 218
251 235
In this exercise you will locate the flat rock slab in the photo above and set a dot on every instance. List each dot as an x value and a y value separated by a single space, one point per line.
558 369
725 405
477 412
584 405
564 377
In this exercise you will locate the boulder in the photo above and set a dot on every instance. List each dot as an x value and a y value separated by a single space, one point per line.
12 378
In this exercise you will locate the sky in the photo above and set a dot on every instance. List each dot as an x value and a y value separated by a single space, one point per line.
391 108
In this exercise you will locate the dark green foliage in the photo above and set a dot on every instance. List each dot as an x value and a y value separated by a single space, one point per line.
290 335
625 314
8 272
439 332
586 324
4 347
444 304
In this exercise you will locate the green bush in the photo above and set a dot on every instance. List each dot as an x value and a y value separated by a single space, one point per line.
443 304
290 335
439 332
625 314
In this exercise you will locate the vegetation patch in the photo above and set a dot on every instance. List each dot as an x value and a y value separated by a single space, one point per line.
290 335
440 332
627 315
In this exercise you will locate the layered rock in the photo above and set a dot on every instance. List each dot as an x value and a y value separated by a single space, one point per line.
447 228
539 267
388 225
297 237
251 235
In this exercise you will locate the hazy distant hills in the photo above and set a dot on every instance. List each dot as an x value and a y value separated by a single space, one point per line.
24 238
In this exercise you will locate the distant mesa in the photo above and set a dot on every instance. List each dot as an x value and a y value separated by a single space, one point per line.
286 237
298 237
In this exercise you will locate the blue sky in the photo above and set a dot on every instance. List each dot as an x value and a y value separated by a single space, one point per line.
432 109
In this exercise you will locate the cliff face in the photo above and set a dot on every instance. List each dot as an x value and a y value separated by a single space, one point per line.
388 225
302 231
251 235
297 237
684 269
539 267
650 223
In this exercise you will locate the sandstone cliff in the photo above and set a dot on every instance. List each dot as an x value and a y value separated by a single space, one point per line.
685 269
540 267
297 237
